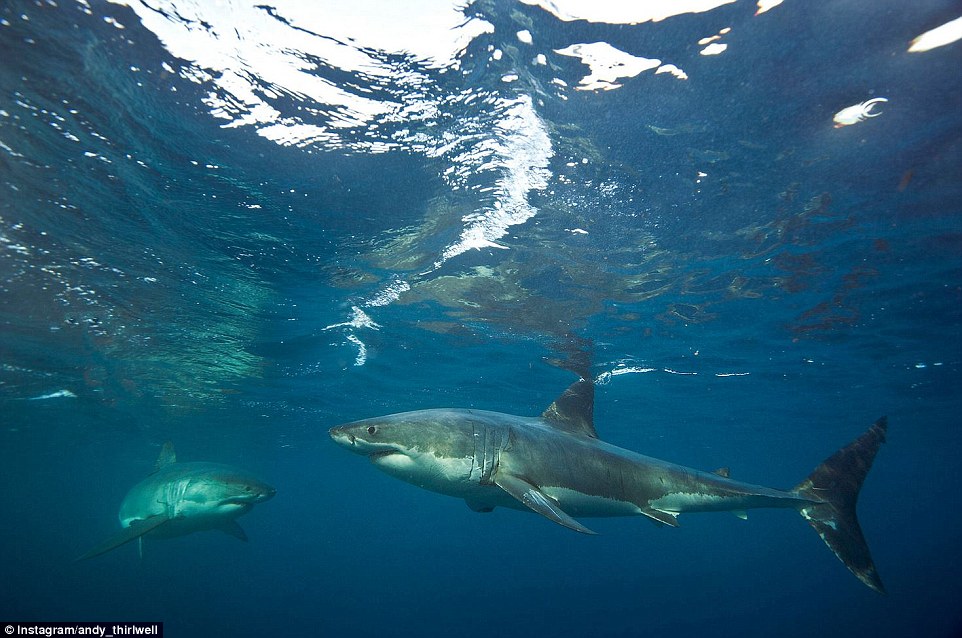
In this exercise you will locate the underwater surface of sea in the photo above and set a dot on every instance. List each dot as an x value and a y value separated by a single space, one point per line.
234 225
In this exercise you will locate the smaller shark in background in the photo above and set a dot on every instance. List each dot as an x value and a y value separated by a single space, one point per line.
181 498
555 465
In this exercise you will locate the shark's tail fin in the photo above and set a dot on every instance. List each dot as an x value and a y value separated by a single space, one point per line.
834 486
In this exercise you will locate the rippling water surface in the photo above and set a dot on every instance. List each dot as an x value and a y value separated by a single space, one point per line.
234 225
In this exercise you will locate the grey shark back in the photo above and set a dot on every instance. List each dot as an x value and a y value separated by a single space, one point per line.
555 465
182 498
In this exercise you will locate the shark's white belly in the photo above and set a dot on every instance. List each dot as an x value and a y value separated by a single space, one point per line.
186 513
694 502
449 476
577 503
452 477
143 501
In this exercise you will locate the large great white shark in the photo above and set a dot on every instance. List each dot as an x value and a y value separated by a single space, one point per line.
555 465
181 498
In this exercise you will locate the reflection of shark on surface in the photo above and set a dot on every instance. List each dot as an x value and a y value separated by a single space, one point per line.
556 466
181 498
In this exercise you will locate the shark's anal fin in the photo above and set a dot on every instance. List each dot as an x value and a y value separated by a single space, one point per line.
537 500
136 530
232 528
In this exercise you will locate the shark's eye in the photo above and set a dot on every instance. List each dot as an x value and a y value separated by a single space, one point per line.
371 429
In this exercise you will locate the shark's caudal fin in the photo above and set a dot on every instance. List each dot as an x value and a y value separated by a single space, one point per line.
836 483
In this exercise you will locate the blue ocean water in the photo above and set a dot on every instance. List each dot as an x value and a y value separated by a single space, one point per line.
234 226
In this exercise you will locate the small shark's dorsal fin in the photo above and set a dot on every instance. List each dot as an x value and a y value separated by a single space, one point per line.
573 410
723 472
167 456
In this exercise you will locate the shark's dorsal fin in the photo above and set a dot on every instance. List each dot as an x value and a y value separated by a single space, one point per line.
167 456
573 410
723 472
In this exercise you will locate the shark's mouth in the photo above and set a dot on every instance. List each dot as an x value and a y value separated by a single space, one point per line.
380 454
242 501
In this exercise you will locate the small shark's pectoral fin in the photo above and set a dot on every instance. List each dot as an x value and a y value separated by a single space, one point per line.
665 518
135 531
233 528
742 514
538 501
478 506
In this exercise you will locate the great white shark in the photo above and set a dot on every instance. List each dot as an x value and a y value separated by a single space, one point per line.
556 465
182 498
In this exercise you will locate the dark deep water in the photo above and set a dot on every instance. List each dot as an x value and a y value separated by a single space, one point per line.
238 243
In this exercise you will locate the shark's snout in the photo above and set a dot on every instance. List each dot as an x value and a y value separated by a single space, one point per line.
365 438
251 491
341 436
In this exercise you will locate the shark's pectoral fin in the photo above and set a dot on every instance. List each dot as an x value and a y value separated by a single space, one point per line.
232 528
659 516
134 531
538 501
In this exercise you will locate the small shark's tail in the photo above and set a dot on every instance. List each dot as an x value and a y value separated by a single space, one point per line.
834 486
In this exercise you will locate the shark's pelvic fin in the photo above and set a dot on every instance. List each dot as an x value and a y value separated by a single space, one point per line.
135 531
167 456
573 411
232 528
833 487
537 500
478 506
